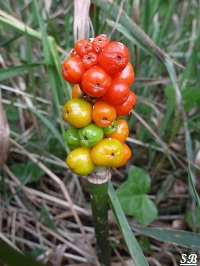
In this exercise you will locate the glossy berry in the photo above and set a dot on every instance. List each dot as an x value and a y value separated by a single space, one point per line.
102 75
96 81
108 152
90 60
127 74
71 138
73 70
83 47
74 53
80 162
126 107
77 92
127 154
121 132
99 43
118 92
114 58
111 129
103 114
77 112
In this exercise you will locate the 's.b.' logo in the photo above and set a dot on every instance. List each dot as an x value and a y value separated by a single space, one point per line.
191 259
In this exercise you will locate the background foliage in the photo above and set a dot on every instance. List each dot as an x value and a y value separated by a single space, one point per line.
45 208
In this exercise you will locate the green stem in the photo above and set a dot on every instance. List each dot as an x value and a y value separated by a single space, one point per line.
99 204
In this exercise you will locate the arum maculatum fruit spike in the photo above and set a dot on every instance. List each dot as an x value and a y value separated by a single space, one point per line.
102 74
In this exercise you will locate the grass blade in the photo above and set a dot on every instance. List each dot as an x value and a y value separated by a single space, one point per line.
52 67
179 104
192 185
127 34
13 71
65 85
134 29
178 237
18 25
169 12
131 242
48 123
4 135
45 43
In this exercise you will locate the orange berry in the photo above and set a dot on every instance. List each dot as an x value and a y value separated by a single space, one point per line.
77 92
122 131
127 154
103 114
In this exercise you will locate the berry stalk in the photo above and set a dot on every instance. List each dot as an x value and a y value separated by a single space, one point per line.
99 204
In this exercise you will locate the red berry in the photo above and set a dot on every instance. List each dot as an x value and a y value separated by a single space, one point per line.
83 47
73 70
126 107
100 42
114 58
96 81
90 60
74 53
127 74
118 92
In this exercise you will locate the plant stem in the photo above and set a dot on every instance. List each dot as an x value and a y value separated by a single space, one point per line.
99 204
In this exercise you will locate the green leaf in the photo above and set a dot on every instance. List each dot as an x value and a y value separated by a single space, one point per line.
133 198
138 181
191 98
140 207
178 237
129 238
24 174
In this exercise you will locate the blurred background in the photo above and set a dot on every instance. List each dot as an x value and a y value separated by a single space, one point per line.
45 209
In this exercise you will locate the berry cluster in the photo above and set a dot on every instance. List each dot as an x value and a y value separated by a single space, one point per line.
102 75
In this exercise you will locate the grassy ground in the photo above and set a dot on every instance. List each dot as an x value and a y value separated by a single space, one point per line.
45 209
